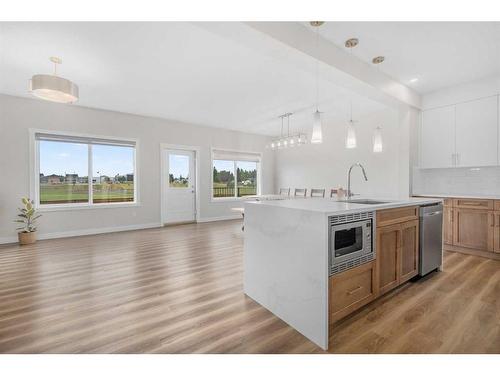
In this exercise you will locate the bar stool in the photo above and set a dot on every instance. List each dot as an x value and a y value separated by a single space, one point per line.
300 193
317 193
285 191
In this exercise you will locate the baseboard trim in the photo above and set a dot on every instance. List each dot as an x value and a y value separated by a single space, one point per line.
465 250
84 232
218 218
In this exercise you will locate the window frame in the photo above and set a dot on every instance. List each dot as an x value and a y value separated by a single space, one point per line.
35 172
235 197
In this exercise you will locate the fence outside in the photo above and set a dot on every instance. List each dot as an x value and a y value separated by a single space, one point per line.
225 192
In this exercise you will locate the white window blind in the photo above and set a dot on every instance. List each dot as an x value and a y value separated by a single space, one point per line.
83 140
236 155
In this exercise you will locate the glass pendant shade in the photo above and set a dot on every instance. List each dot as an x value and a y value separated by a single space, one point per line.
317 134
53 88
377 140
350 140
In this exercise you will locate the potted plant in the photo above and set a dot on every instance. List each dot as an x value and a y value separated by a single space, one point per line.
28 217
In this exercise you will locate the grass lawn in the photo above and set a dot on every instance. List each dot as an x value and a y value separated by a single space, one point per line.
78 193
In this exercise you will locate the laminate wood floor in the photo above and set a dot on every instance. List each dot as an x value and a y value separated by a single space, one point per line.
179 290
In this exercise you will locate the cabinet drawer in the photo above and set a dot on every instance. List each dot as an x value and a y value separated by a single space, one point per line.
482 204
396 215
350 290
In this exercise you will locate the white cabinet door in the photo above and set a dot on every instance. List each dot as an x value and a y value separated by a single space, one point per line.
437 138
477 133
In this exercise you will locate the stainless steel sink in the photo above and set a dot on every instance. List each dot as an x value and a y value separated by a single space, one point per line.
364 201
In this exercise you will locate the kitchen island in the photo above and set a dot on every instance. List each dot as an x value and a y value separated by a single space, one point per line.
286 258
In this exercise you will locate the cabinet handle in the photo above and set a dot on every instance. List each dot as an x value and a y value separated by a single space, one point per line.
492 220
453 159
458 159
498 216
355 290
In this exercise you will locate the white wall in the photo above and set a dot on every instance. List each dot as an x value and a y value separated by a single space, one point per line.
482 88
17 115
325 165
475 181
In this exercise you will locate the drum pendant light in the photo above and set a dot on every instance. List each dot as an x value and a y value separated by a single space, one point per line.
317 132
52 87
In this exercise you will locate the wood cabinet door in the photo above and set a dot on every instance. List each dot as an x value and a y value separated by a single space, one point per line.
476 132
388 244
448 225
473 228
437 138
408 260
496 235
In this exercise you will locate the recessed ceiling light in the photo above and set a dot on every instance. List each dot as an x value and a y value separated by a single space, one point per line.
413 80
378 60
351 43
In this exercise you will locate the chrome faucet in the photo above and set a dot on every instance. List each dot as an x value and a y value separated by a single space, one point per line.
349 193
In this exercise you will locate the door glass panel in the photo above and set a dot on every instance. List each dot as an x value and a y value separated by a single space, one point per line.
246 172
178 171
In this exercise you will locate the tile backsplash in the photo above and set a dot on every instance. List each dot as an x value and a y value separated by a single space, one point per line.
466 181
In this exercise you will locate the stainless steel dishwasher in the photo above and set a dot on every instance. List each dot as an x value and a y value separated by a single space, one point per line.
431 238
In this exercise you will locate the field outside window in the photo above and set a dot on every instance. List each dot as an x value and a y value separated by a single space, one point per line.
64 169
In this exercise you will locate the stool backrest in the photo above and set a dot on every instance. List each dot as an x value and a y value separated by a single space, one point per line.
300 193
318 193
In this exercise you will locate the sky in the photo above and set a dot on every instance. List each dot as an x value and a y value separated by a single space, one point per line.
60 158
178 165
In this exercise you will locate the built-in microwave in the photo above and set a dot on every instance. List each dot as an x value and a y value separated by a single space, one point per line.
350 241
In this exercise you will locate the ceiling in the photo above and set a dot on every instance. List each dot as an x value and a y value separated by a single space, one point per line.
177 71
439 54
187 72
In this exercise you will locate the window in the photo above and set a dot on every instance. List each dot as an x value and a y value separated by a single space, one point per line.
235 174
64 164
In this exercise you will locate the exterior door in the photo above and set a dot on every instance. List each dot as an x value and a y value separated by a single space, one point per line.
179 186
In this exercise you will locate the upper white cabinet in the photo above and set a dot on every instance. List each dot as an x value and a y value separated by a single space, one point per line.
437 138
461 135
476 130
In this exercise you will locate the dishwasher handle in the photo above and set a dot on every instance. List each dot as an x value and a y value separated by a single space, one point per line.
433 213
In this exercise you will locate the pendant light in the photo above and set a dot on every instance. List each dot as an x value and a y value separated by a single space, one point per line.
287 139
350 140
52 87
378 145
377 140
317 133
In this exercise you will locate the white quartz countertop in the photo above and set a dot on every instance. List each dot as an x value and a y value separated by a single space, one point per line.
329 206
472 196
